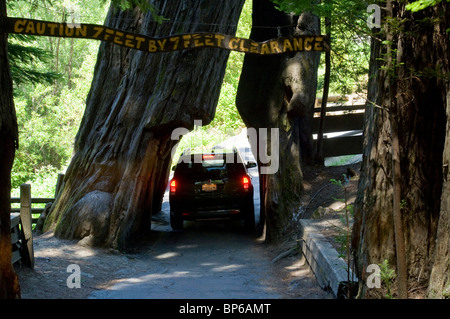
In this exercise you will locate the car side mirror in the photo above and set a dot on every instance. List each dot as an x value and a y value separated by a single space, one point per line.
250 164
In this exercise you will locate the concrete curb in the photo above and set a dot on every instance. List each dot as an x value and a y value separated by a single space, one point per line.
330 270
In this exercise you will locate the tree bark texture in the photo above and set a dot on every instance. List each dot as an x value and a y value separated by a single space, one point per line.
439 286
420 101
119 171
279 92
9 284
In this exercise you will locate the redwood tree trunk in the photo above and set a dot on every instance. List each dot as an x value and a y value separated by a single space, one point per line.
122 155
279 92
420 88
9 285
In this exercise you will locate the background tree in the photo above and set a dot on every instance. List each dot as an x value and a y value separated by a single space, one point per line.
343 70
9 137
279 92
410 91
121 160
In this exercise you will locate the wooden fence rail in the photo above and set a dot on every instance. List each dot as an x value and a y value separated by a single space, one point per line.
34 210
22 221
345 122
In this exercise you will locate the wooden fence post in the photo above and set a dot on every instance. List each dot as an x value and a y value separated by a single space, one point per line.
26 219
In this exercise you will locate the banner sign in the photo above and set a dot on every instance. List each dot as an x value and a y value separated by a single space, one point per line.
169 43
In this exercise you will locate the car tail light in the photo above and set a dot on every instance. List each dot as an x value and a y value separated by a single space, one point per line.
246 182
173 186
208 156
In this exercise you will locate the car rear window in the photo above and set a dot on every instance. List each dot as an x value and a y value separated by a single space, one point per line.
215 166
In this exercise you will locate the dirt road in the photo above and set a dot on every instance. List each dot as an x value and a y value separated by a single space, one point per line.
209 259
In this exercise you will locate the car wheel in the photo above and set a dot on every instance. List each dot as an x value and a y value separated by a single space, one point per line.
176 222
249 216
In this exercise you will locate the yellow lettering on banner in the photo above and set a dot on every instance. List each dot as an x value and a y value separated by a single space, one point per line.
81 31
287 45
219 39
265 48
152 46
208 41
171 43
197 40
128 42
176 40
139 42
40 28
98 30
274 47
118 39
298 44
307 43
30 27
186 40
19 25
318 44
254 47
242 48
69 33
52 27
162 44
198 44
232 44
108 33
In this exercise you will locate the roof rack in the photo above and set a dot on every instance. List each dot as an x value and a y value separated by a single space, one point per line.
214 149
224 150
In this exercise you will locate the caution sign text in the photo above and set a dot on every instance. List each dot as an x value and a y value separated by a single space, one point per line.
169 43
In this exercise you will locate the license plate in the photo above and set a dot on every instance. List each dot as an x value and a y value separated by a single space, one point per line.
209 187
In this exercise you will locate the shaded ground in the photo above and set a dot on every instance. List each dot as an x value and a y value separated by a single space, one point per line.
207 260
325 201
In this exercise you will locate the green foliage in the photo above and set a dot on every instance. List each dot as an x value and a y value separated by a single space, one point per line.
422 4
227 116
350 42
387 275
27 62
143 5
52 77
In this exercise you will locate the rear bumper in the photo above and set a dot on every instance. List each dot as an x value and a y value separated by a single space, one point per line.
191 210
210 214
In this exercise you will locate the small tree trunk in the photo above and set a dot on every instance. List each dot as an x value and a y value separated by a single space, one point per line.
439 286
319 158
9 284
391 104
119 171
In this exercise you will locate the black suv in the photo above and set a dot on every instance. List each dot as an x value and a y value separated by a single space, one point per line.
211 185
